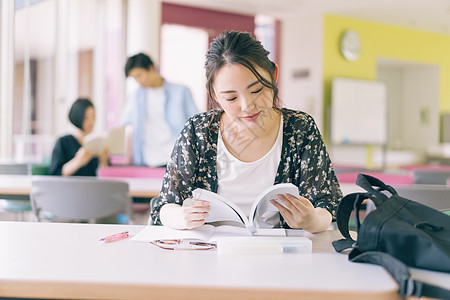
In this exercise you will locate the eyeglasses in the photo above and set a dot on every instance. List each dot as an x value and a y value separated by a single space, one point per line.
183 244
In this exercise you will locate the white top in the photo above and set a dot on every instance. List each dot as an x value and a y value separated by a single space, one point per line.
158 139
254 177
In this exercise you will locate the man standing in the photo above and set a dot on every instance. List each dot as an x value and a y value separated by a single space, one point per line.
157 112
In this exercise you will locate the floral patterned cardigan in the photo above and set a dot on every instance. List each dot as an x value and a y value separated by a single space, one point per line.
304 162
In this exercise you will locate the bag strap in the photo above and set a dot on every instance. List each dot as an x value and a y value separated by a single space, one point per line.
346 206
400 272
375 187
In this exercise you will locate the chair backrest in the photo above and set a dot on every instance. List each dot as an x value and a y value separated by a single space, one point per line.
435 196
79 198
387 178
40 169
131 172
15 168
430 176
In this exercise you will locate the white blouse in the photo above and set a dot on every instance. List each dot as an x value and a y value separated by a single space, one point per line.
242 182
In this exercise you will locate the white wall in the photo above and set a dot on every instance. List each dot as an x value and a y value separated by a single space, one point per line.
421 95
144 19
301 48
185 65
412 88
393 78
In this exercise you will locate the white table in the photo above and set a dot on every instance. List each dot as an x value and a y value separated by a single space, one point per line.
45 260
139 187
20 185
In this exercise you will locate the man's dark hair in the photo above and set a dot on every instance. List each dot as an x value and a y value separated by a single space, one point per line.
78 110
139 60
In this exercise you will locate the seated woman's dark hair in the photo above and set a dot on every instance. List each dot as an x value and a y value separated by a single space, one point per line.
139 60
78 110
238 48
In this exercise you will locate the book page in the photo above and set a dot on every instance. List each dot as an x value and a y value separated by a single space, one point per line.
116 141
229 231
207 233
94 142
263 213
151 233
220 208
271 232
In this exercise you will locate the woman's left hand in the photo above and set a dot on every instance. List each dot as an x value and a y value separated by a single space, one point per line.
297 212
300 213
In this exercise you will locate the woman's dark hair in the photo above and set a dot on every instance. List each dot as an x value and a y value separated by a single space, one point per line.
139 60
78 110
238 48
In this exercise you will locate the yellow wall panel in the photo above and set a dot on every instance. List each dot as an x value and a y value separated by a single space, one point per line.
383 41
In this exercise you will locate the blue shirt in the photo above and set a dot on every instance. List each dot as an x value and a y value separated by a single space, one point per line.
179 106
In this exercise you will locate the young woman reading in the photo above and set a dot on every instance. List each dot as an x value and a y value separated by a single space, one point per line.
247 143
69 157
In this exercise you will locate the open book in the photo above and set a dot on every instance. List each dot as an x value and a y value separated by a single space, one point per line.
262 213
208 233
114 141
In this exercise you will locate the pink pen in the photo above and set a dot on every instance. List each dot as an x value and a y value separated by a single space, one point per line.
115 237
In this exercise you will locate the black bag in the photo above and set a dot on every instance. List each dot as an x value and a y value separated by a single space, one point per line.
398 232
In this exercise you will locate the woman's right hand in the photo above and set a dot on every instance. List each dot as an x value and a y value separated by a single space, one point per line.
191 214
81 158
195 213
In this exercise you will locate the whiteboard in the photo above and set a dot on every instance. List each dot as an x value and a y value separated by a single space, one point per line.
358 112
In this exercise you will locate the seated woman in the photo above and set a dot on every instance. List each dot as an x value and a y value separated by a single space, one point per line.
246 145
69 157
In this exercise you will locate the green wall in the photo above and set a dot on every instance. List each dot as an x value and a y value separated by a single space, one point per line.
387 41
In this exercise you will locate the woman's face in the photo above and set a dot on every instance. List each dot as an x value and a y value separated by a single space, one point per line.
89 120
242 96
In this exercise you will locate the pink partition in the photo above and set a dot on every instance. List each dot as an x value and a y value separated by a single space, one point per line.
131 172
412 168
387 178
118 160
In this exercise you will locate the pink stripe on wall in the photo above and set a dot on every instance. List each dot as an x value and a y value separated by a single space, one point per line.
211 20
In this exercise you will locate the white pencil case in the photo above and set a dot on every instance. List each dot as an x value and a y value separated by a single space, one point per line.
263 245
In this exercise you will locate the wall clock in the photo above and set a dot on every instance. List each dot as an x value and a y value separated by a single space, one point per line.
350 45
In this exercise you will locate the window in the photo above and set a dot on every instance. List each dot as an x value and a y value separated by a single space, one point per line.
183 52
63 50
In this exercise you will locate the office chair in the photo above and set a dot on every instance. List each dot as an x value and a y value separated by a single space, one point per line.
140 204
16 205
78 199
15 168
430 176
